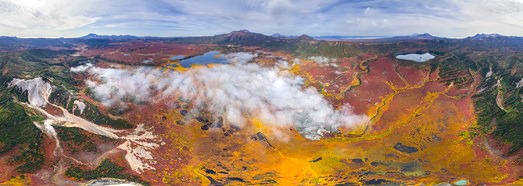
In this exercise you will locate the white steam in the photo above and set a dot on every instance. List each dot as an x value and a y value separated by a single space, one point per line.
321 59
238 92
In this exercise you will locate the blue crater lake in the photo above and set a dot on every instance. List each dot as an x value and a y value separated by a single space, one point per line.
416 57
212 57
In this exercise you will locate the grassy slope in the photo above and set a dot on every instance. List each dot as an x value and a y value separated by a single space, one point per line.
508 123
17 131
106 169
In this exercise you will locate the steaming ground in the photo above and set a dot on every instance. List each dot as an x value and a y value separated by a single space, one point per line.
238 92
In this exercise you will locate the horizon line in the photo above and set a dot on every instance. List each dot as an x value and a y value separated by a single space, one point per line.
271 35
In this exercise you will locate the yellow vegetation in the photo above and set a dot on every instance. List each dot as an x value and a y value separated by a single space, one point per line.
17 181
433 124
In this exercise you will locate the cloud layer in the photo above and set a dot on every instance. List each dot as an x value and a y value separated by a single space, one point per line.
455 18
238 92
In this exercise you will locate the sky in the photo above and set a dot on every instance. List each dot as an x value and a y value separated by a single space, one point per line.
171 18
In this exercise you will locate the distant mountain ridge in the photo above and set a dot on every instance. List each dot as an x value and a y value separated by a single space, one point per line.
115 37
242 35
246 33
348 38
490 36
416 36
247 38
278 35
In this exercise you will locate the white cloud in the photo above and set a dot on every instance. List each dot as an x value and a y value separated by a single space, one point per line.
456 18
238 92
111 90
54 15
369 11
240 58
296 61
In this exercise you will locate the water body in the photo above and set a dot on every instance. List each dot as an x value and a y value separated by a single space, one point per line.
111 181
212 57
416 57
461 182
177 57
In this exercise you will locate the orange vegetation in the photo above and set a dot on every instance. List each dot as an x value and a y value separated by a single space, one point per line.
407 105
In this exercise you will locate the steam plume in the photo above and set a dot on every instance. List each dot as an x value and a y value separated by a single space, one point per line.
237 92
